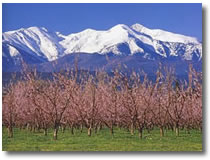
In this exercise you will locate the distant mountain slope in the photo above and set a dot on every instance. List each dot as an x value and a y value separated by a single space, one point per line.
134 46
97 62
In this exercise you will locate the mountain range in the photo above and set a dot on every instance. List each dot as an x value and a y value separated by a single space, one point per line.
136 47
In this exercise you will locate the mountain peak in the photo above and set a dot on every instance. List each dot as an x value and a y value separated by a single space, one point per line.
165 36
120 27
36 29
119 40
87 31
138 27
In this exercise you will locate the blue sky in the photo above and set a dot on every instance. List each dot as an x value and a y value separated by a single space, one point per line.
68 18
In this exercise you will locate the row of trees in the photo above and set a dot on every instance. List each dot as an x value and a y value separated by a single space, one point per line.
80 100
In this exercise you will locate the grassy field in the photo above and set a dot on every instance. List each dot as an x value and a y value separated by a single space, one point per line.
26 141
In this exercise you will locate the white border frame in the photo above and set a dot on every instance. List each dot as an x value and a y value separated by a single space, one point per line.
124 155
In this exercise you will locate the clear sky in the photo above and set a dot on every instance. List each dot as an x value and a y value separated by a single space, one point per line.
68 18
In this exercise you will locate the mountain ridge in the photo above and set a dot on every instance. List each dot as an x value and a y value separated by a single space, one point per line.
37 45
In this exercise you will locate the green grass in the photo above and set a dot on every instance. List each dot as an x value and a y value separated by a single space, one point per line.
24 140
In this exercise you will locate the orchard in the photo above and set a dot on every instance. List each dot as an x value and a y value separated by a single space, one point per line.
77 101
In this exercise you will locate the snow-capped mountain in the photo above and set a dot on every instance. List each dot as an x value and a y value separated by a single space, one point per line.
136 39
38 45
35 41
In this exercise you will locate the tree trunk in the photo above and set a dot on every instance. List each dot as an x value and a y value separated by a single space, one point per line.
132 129
99 127
173 128
89 131
177 131
72 130
96 129
140 133
81 128
10 131
38 128
55 134
161 132
45 131
34 129
112 131
200 129
28 126
31 128
63 129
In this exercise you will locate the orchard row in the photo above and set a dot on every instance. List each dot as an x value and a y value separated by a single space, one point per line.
81 100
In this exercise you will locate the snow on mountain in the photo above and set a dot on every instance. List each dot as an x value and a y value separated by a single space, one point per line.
35 41
92 41
164 36
13 51
119 40
137 38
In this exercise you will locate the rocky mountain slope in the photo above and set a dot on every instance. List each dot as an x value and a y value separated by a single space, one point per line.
100 49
